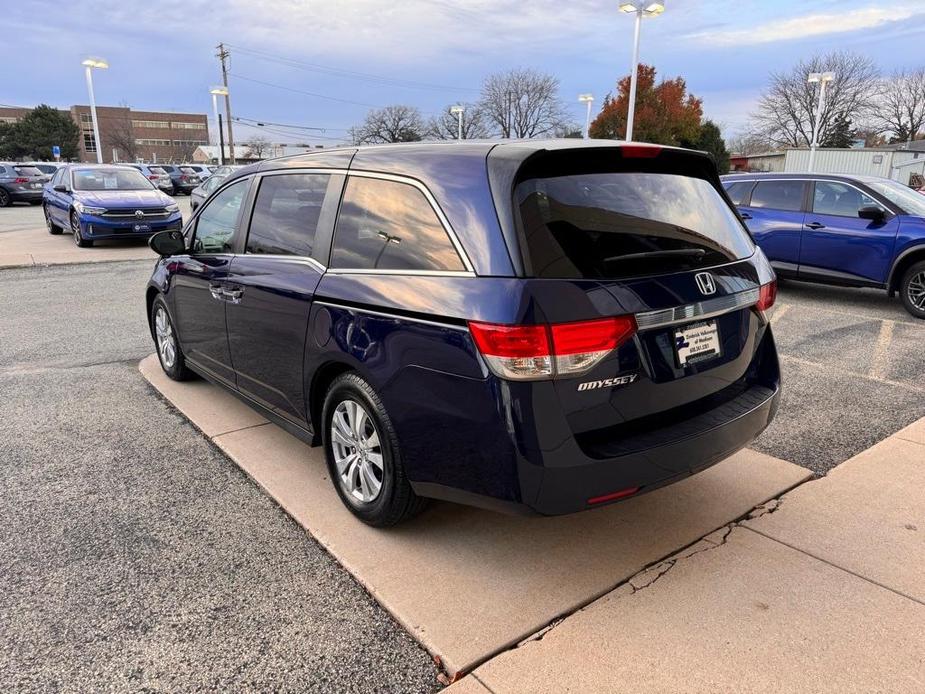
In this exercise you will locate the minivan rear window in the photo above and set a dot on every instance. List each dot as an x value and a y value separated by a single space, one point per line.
619 225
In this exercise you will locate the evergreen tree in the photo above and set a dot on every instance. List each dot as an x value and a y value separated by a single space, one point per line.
33 136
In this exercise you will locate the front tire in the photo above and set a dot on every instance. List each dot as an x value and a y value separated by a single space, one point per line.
50 225
5 199
912 290
75 232
169 352
363 457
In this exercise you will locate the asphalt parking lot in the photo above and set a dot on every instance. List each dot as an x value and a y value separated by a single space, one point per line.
123 562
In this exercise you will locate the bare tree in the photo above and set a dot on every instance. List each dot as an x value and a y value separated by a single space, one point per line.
786 112
181 151
901 105
257 147
390 124
523 103
121 135
749 143
446 125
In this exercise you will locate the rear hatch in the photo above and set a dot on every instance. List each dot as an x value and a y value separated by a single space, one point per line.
652 293
29 178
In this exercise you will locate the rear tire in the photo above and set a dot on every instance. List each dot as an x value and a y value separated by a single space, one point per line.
363 456
912 290
76 233
50 225
167 343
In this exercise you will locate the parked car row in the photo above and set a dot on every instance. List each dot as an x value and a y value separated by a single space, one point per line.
854 231
198 195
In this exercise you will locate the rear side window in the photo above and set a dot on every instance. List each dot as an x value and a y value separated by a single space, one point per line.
778 195
286 214
618 225
840 199
738 191
387 225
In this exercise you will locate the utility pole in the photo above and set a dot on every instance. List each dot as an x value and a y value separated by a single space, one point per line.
223 56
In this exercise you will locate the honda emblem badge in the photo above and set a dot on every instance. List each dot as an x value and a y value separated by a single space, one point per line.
705 283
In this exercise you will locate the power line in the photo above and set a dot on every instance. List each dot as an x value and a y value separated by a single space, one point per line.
300 91
350 74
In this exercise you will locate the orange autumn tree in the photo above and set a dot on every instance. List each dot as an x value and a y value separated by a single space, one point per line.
665 113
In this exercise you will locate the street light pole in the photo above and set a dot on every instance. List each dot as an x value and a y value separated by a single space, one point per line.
217 92
822 78
640 8
458 110
89 64
587 99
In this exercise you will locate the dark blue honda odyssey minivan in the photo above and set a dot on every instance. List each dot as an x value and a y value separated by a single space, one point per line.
542 326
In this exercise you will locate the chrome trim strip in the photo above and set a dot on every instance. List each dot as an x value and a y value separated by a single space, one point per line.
307 260
396 316
419 273
702 309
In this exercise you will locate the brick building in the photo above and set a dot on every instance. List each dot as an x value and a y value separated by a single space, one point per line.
129 135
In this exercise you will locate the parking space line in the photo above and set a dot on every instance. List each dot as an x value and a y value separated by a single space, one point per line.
845 372
854 314
881 358
779 313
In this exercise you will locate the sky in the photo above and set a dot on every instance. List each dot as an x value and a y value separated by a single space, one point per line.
325 63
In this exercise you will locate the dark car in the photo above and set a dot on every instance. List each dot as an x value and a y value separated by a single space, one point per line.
542 326
95 202
20 183
853 231
160 178
183 178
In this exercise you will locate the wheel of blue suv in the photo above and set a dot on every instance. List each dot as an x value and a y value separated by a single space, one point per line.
363 456
75 231
168 346
50 225
912 290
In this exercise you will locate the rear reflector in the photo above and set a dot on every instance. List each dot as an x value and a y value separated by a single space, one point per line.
526 352
767 295
614 496
640 151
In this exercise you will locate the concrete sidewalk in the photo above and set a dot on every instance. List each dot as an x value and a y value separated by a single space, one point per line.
821 591
467 583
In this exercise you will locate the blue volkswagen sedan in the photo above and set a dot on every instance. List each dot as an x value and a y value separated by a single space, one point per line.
542 326
96 202
846 230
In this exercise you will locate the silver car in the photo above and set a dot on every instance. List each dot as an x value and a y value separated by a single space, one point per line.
200 193
156 175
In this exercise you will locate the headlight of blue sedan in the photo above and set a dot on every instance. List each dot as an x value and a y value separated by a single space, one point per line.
173 207
86 209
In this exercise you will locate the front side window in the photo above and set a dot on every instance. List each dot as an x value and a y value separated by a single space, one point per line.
625 224
778 195
218 220
110 179
840 199
387 225
286 214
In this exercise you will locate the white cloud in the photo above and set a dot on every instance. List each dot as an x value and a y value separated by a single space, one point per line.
808 25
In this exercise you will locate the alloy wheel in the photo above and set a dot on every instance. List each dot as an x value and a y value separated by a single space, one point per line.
166 343
916 291
4 198
75 228
357 452
48 224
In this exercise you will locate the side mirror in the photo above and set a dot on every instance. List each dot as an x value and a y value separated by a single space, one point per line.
167 243
871 212
61 188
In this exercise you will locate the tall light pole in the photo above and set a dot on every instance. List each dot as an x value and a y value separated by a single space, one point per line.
100 64
822 78
217 92
587 99
458 111
641 8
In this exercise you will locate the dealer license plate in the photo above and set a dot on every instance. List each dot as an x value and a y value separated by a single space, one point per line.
697 342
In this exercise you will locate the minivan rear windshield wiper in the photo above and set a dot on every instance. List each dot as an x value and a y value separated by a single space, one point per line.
674 252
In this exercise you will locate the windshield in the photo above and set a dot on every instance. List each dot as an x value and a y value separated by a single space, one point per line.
618 225
910 200
27 171
110 179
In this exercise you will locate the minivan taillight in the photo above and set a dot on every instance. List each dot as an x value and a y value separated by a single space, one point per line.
533 352
767 295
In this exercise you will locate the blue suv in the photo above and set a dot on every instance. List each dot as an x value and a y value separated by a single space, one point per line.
542 326
854 231
96 202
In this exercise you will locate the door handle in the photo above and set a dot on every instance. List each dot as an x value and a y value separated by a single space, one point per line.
745 215
216 290
233 294
815 225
